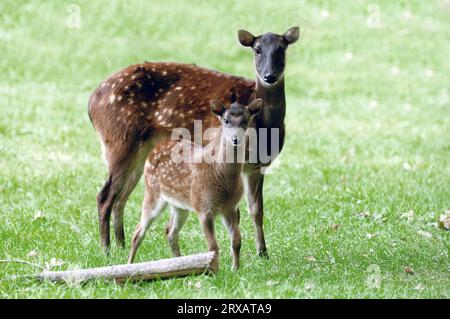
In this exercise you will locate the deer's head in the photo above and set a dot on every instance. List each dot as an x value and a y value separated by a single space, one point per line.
235 119
270 53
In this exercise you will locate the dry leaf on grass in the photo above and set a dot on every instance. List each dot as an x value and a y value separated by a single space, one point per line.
54 262
198 285
409 270
75 228
370 236
309 285
310 258
409 216
419 287
363 214
425 234
335 226
38 215
444 220
33 254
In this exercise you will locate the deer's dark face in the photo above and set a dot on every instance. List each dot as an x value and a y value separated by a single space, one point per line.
269 53
235 119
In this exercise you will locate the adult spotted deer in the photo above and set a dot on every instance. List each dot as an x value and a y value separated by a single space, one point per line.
136 108
210 185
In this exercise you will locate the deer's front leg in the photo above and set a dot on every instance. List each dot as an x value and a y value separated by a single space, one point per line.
254 187
207 221
231 221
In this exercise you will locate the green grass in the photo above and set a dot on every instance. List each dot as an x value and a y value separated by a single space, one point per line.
367 132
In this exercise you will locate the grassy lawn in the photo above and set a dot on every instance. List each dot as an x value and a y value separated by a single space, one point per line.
368 145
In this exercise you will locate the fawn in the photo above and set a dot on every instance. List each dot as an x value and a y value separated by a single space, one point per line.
136 108
207 187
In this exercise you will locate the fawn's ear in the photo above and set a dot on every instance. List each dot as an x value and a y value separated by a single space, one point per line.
255 107
291 35
217 107
246 38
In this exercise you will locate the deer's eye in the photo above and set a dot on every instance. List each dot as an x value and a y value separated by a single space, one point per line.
226 121
257 51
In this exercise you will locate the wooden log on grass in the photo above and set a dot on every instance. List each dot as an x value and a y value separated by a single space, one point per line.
164 268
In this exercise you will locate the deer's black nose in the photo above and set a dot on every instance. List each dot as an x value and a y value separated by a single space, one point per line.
270 78
235 140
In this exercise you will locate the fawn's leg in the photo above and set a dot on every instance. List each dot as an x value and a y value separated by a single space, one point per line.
254 186
151 209
207 222
177 221
231 221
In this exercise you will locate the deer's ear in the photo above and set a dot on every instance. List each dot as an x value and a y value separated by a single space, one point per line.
217 107
246 38
255 107
292 35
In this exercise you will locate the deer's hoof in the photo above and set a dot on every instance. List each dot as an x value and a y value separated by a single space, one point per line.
263 254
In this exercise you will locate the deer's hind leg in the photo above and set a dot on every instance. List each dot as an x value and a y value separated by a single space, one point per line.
125 169
177 220
152 207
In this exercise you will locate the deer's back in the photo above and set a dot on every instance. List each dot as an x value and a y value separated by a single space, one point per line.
142 99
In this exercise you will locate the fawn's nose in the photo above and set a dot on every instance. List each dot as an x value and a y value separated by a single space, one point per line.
270 78
235 140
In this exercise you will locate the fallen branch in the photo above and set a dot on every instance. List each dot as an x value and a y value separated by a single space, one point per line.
158 269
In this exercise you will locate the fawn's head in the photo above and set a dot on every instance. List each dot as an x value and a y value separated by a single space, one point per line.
235 119
270 53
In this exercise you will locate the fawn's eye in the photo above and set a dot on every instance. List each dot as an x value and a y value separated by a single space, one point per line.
257 51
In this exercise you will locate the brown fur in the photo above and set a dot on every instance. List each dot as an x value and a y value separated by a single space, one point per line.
208 188
135 108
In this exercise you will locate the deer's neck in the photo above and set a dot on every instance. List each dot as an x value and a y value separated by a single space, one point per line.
228 159
274 109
